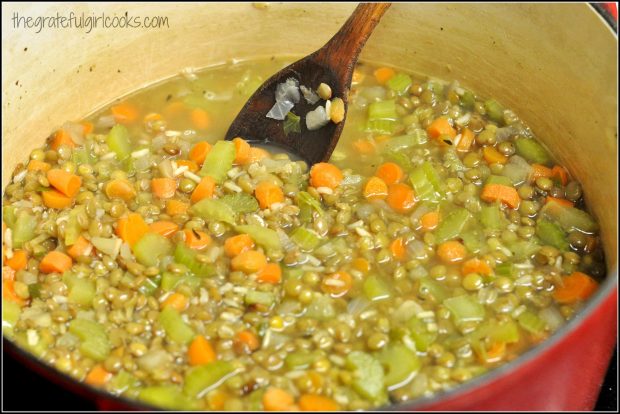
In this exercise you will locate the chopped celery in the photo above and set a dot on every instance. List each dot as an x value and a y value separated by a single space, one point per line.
570 218
254 401
9 215
83 156
35 290
306 239
214 210
200 380
151 248
82 292
532 151
240 202
517 169
263 236
24 229
467 100
505 332
110 246
474 240
123 381
219 161
420 334
494 110
399 158
255 297
293 273
431 287
382 110
401 142
72 227
551 234
491 217
452 161
10 314
307 204
435 86
175 327
167 396
426 182
381 126
321 308
401 364
94 339
187 256
499 179
118 141
399 83
524 249
150 285
504 269
301 359
368 376
464 308
376 289
292 123
531 322
452 226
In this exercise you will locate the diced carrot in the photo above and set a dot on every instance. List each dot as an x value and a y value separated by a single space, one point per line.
191 165
539 171
397 247
199 152
476 265
200 351
131 228
390 173
242 151
256 154
19 260
576 287
8 273
177 300
493 156
98 376
8 292
325 174
248 340
235 245
268 194
277 399
36 165
55 199
498 192
272 273
164 187
495 352
196 240
217 398
67 183
439 127
429 221
124 113
467 138
204 189
451 251
560 173
337 284
55 262
61 137
88 127
364 146
164 227
200 118
174 109
561 201
375 189
314 402
384 74
120 188
250 261
400 197
174 207
360 264
81 247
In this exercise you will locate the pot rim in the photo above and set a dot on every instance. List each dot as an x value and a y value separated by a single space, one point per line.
606 290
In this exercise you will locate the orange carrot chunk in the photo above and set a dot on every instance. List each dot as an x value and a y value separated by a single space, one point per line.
390 173
493 156
256 154
439 127
55 262
576 287
174 207
429 221
124 113
81 247
164 227
337 284
88 127
400 197
131 228
476 265
164 187
361 264
120 188
36 165
560 173
272 273
55 199
242 151
364 146
451 251
98 376
196 240
247 341
467 139
199 152
314 402
277 399
67 183
498 192
177 300
61 137
204 189
375 189
325 174
397 247
8 290
250 261
268 194
561 201
200 118
539 171
235 245
191 165
384 74
200 351
19 260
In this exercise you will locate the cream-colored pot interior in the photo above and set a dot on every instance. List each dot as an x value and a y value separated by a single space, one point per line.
555 64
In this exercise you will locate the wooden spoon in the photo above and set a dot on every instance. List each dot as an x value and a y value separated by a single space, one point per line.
333 65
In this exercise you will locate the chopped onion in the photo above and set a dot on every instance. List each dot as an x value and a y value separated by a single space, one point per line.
364 210
76 132
158 142
502 134
374 93
165 167
407 310
288 91
357 306
553 317
142 163
309 95
155 359
352 179
517 169
316 119
280 109
107 121
417 249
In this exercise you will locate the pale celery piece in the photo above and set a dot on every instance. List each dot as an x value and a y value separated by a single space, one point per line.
399 143
186 256
262 236
167 396
307 204
10 314
368 376
306 239
452 226
499 179
532 151
219 161
474 240
119 142
465 308
95 343
151 248
494 110
82 292
9 215
321 308
109 246
254 297
169 281
73 228
532 323
24 229
420 333
176 328
492 217
199 380
551 234
400 363
123 381
433 288
376 288
240 202
426 182
301 359
569 218
214 210
399 83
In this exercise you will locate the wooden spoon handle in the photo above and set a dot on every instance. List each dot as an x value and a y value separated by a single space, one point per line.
342 50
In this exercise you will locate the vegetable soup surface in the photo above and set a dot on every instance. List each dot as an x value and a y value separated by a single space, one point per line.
144 255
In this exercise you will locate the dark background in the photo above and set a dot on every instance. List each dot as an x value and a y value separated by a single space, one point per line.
26 391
